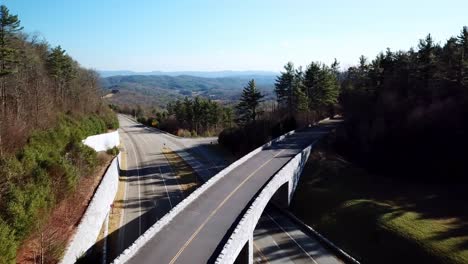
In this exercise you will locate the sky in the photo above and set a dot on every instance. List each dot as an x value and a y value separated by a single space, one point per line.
213 35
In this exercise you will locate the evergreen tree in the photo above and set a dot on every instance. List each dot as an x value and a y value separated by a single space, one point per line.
463 68
250 100
62 70
322 87
284 88
227 117
9 25
300 99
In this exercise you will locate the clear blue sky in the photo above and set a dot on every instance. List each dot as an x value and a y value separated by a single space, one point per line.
145 35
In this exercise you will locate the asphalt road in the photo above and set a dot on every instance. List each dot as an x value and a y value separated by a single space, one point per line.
197 233
277 239
151 188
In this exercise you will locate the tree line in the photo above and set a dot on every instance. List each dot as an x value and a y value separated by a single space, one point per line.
188 117
37 82
48 104
407 111
303 97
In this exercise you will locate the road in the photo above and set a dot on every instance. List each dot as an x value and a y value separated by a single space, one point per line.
277 239
198 232
151 188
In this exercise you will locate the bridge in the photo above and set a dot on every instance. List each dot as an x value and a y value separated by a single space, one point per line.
215 223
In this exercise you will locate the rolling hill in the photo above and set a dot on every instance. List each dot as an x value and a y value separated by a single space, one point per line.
158 90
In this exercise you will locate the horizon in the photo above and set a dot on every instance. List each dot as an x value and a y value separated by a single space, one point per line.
212 36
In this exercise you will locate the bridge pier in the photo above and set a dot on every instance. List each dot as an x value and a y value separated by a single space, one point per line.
246 254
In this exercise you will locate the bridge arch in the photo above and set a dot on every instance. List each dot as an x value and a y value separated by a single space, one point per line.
279 190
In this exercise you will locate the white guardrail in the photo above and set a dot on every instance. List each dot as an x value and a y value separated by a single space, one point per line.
153 230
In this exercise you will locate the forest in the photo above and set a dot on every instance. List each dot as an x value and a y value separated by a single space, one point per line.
406 112
48 104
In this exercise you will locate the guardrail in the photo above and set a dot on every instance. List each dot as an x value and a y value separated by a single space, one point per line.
290 172
166 219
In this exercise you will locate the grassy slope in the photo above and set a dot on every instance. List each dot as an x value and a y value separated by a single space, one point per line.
380 220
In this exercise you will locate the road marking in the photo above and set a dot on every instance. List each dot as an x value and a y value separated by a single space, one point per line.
219 206
307 253
121 226
163 178
152 185
167 192
262 256
174 176
138 183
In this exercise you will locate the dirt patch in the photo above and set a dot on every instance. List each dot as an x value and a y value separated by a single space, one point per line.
48 243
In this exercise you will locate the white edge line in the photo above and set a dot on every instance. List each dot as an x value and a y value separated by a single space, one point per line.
286 232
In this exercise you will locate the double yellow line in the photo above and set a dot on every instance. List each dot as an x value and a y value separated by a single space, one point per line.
219 207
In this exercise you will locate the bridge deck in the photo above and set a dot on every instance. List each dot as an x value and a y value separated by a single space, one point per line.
196 234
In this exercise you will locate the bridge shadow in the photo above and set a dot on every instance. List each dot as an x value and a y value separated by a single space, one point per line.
292 243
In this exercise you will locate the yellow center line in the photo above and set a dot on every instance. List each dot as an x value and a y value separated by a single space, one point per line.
217 208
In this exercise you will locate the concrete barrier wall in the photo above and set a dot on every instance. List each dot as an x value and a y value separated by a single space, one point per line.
290 173
103 142
153 230
91 222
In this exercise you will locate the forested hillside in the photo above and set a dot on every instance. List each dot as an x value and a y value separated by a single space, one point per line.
48 104
157 90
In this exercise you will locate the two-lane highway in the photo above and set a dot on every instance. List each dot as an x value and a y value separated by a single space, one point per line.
151 187
196 234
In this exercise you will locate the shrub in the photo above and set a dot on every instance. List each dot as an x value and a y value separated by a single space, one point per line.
45 170
7 243
24 204
113 151
183 133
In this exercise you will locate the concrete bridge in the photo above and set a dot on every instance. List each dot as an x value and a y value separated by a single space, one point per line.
215 223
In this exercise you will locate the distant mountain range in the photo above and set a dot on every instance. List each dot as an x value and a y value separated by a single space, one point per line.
157 89
205 74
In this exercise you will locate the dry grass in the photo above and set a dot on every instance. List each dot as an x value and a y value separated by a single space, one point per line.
187 177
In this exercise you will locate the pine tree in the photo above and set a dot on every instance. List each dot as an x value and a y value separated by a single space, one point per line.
463 40
61 69
300 100
322 87
284 88
247 109
9 25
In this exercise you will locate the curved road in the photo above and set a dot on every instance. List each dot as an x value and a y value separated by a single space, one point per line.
197 234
